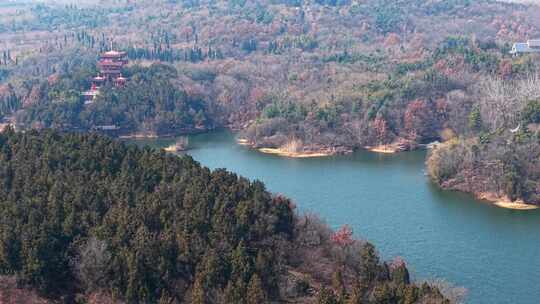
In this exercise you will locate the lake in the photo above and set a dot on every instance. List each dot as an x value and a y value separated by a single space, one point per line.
388 200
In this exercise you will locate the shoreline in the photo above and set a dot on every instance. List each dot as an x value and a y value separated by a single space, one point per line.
283 152
280 152
385 149
243 142
400 145
505 202
323 152
171 149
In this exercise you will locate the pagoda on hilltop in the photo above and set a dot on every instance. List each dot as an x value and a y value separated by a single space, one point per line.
110 66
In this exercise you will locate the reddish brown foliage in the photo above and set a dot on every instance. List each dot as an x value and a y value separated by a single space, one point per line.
517 26
343 237
281 199
10 293
256 94
392 39
505 68
101 298
418 119
450 66
397 263
53 79
5 90
381 128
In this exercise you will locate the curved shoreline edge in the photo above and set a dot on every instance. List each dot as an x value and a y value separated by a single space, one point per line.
384 149
501 202
505 202
491 198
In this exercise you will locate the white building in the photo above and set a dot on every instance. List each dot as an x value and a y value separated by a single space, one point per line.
531 46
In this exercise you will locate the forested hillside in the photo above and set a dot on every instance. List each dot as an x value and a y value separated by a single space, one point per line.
298 76
149 103
324 73
85 219
500 158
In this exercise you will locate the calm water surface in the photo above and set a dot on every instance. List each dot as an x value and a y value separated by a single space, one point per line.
387 199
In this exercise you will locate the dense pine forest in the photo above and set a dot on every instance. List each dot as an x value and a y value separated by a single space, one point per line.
86 219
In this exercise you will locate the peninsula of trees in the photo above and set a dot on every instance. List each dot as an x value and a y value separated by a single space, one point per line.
85 219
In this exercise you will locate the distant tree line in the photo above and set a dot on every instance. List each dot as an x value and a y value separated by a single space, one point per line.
194 54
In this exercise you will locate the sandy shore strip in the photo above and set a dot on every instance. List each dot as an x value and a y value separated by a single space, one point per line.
387 149
284 153
171 149
515 205
504 202
243 142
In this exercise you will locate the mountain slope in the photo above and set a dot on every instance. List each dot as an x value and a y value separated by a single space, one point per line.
83 216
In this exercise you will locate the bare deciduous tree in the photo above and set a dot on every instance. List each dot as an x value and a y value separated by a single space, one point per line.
92 264
501 101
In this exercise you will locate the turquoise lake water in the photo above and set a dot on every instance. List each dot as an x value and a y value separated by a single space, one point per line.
388 200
